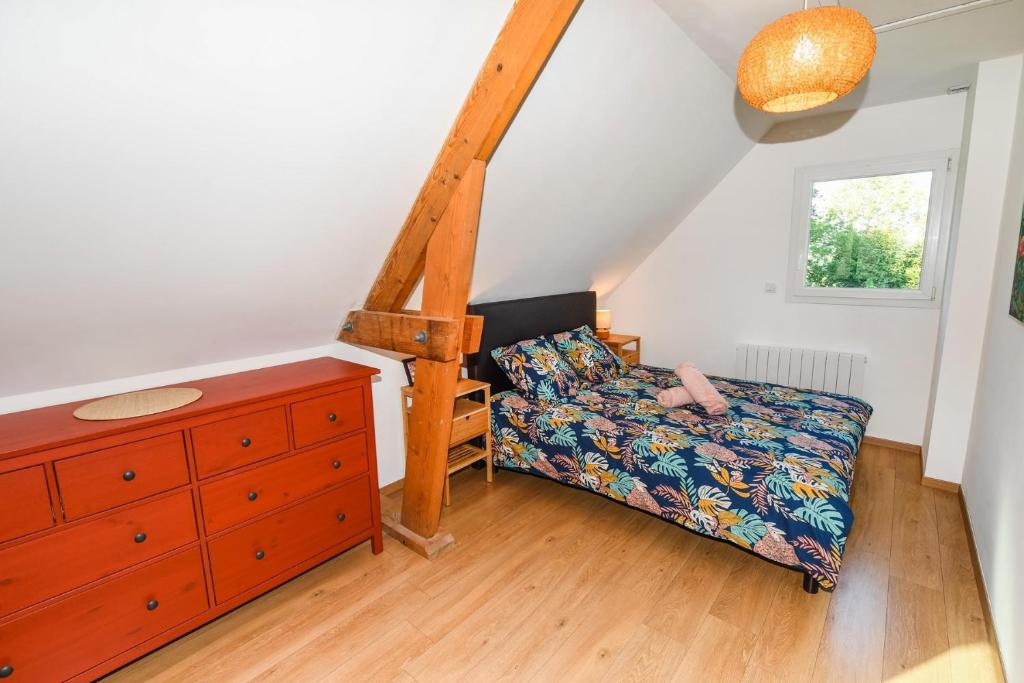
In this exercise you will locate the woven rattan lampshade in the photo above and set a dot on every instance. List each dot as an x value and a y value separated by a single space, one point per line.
806 59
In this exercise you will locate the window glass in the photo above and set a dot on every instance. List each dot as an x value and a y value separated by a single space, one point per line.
868 233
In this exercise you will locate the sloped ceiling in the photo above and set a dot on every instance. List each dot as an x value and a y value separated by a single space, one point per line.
190 182
921 60
628 128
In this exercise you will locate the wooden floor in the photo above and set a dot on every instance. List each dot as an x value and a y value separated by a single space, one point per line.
551 584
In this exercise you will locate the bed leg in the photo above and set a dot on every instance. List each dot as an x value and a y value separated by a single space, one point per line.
810 584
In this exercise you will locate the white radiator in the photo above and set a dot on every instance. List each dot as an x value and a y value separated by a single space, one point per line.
832 371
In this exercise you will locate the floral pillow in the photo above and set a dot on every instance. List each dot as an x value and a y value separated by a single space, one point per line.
537 370
588 355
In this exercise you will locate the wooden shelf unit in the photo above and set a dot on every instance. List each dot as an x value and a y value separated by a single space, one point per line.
470 420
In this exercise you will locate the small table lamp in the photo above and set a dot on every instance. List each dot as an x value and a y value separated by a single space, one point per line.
604 323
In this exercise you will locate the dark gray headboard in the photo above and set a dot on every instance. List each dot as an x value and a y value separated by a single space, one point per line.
506 322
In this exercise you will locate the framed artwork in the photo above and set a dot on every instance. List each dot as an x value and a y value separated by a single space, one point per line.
410 369
1017 291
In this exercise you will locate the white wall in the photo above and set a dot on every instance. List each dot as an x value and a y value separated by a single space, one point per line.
192 182
994 111
191 188
947 285
993 476
702 290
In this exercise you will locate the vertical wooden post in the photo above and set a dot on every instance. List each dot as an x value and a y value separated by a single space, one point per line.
438 241
447 276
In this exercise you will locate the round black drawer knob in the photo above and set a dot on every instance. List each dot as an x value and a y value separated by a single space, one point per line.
332 417
152 605
128 476
246 442
341 516
260 555
6 670
140 537
252 495
336 464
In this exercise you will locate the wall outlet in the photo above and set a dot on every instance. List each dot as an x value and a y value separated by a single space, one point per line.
770 287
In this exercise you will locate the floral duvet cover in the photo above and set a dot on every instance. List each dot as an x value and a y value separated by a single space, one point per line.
772 475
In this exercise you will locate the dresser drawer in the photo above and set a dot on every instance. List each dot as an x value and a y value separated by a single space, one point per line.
48 566
469 420
237 441
323 417
256 552
24 503
77 633
240 497
105 479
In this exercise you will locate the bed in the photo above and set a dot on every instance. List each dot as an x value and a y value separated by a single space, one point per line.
772 476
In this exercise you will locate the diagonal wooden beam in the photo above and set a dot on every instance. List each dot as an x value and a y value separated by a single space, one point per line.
527 39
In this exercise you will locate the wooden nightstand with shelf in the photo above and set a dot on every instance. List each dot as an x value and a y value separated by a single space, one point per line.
618 343
471 420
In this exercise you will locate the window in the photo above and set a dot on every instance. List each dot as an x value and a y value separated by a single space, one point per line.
872 233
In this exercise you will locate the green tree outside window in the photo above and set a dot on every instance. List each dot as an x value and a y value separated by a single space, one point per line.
868 233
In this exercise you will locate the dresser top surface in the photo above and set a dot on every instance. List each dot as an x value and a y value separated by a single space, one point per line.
53 426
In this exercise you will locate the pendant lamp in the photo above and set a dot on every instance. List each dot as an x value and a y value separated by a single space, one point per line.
806 59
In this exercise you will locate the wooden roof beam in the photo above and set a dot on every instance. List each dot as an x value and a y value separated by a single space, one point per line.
526 41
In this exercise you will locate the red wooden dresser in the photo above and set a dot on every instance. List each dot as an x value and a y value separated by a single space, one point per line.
117 537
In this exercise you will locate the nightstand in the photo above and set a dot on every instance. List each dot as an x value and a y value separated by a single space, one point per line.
618 342
471 421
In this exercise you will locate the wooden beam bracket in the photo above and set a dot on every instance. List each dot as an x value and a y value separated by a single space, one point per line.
472 331
430 337
427 546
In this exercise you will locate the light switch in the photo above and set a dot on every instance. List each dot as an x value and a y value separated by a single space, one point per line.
770 287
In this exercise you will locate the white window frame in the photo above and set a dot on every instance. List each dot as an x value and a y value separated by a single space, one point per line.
943 165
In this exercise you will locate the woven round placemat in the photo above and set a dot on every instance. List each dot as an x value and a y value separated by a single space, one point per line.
138 403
